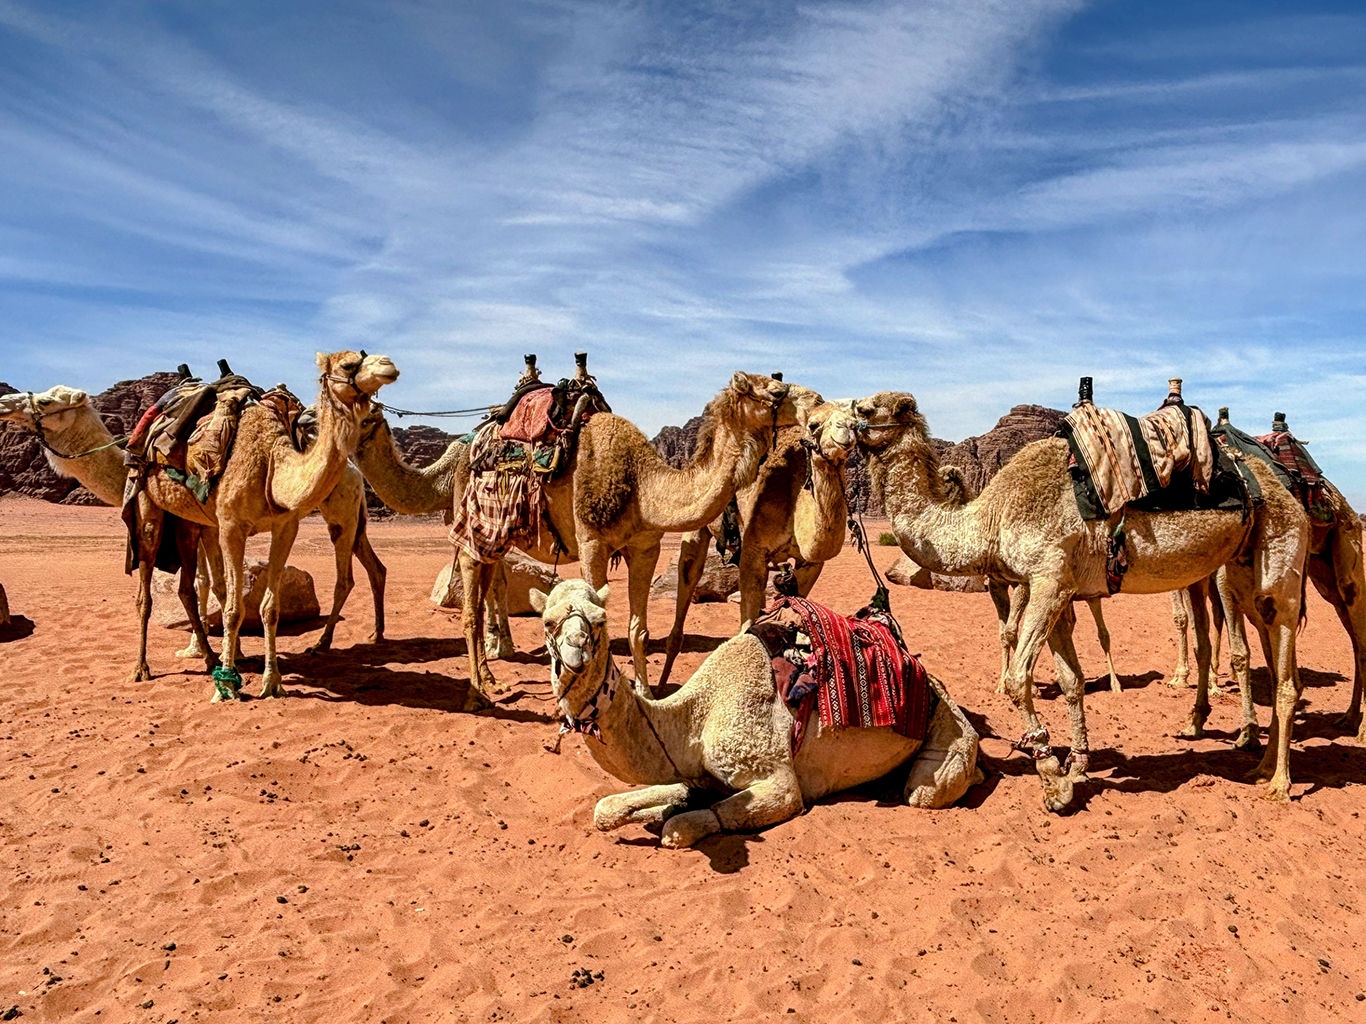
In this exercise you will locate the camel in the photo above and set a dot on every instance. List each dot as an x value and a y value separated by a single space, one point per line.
67 423
727 729
1009 599
266 485
795 508
1025 528
622 497
1196 605
421 491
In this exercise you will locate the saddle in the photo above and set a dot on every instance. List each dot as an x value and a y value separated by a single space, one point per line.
1288 458
1165 461
852 670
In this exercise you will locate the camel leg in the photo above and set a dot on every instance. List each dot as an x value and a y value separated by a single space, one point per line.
1287 695
753 582
1073 683
151 521
1335 575
1007 621
640 569
4 608
766 802
692 560
232 542
1199 620
188 544
343 543
1046 601
200 588
1181 615
1216 619
1238 664
806 574
649 806
476 577
281 541
378 575
1103 634
497 630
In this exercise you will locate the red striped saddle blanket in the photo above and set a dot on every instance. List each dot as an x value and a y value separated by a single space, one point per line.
854 671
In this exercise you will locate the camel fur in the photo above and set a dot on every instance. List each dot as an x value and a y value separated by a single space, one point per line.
1025 528
727 729
795 509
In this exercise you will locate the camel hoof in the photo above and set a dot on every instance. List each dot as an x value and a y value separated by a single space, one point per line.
1057 787
142 673
319 648
1247 740
376 637
690 827
1278 792
1114 685
193 651
273 688
476 701
1194 730
1349 722
1179 682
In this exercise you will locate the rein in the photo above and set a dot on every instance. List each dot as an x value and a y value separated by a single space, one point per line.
42 440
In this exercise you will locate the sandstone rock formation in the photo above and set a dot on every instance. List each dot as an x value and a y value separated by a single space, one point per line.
298 599
523 574
719 581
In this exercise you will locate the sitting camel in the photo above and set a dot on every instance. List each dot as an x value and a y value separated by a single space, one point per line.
267 485
79 445
726 729
1025 527
795 508
619 496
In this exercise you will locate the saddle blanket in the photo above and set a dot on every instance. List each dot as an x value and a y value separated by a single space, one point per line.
853 671
1130 458
501 506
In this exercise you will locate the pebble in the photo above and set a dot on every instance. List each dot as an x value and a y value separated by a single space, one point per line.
567 938
857 963
281 899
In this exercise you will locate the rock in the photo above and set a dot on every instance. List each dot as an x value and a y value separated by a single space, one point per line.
523 574
959 584
298 600
980 458
718 581
905 573
676 444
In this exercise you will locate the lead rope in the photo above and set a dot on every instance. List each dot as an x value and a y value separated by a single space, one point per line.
882 598
41 438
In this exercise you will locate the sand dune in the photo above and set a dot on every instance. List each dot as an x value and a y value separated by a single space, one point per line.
362 852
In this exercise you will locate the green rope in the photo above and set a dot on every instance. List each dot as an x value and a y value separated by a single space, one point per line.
226 682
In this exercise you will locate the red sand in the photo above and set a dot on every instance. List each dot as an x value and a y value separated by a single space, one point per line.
362 852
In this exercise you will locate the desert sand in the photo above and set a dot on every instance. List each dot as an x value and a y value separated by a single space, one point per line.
360 851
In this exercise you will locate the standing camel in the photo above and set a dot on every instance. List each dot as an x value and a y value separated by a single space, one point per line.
1025 527
795 508
79 445
416 491
620 496
267 485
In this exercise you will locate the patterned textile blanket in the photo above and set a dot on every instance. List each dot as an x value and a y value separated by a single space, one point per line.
502 503
852 670
530 420
1130 458
1306 478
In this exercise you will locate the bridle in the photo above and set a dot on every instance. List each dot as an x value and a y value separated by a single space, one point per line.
583 722
348 379
43 443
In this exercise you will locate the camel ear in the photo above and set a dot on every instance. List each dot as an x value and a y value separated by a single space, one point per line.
602 594
537 599
322 360
740 383
905 404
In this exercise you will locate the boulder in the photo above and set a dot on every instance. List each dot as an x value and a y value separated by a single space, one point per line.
523 574
719 580
906 573
298 600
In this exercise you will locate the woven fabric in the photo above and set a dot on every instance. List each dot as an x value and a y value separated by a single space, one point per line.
530 421
863 677
1292 455
1130 458
501 508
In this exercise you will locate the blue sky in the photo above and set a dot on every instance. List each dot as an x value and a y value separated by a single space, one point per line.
973 201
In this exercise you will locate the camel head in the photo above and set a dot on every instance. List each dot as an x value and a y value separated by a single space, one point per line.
351 378
52 411
887 417
833 430
575 620
373 425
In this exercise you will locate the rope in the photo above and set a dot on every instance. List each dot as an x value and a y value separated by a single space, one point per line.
481 411
882 598
41 438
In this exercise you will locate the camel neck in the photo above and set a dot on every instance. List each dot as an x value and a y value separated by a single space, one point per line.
102 472
300 481
941 537
677 500
631 743
403 487
818 521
